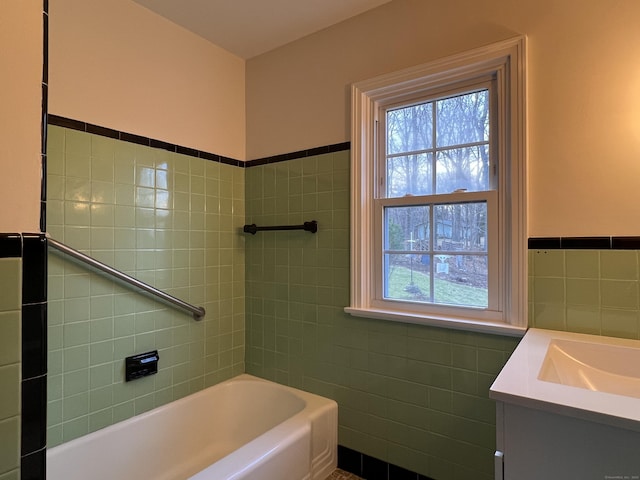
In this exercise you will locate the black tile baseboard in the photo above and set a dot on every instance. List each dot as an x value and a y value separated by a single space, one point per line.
372 468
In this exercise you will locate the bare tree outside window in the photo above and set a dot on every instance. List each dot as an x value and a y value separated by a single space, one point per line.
437 252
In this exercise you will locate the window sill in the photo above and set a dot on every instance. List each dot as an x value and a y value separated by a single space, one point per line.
495 328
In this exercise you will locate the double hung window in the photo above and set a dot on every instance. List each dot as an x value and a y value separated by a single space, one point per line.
438 210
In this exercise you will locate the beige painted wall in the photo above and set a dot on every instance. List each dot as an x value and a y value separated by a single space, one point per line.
118 65
20 113
584 94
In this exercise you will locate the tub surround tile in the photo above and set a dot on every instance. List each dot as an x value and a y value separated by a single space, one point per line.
146 211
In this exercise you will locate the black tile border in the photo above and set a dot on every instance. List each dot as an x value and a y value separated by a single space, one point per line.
34 415
584 243
69 123
34 340
336 147
372 468
34 266
10 245
33 466
34 356
191 152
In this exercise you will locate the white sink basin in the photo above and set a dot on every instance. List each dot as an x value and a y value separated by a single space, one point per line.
589 377
598 367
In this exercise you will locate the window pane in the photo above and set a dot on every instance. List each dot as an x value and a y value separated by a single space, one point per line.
461 280
463 168
406 228
461 227
407 277
409 175
409 129
463 119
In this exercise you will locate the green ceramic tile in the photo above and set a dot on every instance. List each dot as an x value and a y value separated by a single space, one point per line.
10 382
582 291
75 334
102 192
619 264
123 411
584 320
549 263
10 441
101 397
490 361
77 160
10 284
55 150
77 214
54 385
75 406
620 323
12 475
10 328
619 294
549 290
100 419
75 428
76 382
55 212
583 263
551 316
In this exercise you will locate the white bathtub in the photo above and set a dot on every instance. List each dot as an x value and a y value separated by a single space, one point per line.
244 428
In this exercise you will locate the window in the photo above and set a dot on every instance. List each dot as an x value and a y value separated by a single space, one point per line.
438 193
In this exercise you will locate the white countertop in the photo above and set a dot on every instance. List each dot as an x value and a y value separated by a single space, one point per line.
518 383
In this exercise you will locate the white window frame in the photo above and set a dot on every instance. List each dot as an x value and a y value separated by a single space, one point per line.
505 61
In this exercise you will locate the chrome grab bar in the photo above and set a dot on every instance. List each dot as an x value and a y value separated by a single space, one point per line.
197 312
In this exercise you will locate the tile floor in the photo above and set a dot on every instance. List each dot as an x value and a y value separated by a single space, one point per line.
342 475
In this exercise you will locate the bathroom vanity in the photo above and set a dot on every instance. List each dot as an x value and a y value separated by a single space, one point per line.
568 407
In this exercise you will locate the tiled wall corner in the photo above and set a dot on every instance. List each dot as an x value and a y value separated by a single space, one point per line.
585 291
172 221
415 397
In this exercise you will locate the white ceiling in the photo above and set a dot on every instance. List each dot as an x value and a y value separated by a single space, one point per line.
248 28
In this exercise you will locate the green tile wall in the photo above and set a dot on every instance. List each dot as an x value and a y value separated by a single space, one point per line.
171 221
10 311
585 291
410 395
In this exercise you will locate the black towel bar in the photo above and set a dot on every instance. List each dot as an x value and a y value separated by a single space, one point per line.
311 226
